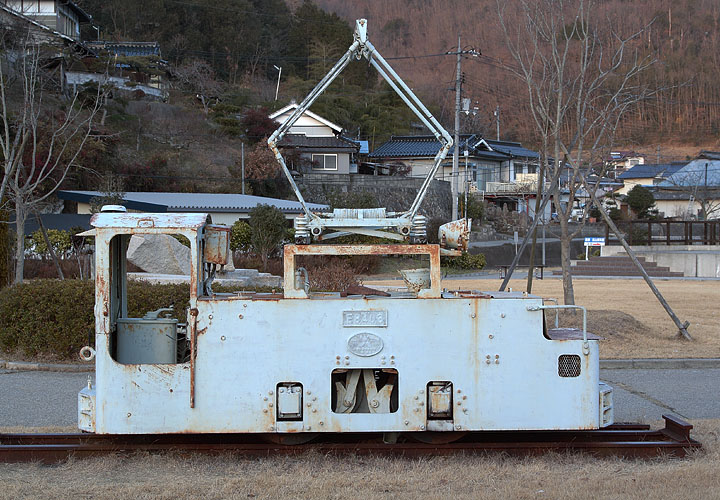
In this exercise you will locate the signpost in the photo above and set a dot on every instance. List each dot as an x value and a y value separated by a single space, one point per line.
593 242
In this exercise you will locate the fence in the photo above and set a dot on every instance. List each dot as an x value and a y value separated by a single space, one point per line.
647 232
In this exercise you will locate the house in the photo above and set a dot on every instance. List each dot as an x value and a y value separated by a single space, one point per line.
618 162
141 76
315 145
224 208
647 174
693 191
60 16
487 161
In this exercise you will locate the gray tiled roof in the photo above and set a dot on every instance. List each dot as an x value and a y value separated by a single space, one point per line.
188 202
694 174
651 170
514 149
310 142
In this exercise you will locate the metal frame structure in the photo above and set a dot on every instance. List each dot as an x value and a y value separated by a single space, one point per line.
371 221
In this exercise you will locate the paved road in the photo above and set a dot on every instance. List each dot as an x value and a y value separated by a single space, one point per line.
37 399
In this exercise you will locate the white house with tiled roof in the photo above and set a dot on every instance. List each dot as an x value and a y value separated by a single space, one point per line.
318 142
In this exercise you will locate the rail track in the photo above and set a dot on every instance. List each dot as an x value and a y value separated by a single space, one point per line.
627 440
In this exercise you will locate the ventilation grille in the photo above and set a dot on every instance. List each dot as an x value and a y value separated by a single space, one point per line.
569 365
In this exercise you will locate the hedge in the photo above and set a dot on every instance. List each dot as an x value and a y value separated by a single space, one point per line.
53 317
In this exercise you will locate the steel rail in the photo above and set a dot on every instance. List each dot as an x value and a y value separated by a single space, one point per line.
632 441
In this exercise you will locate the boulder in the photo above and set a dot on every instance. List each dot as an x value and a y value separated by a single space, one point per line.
159 254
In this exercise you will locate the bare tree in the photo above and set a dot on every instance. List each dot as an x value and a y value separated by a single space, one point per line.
41 136
581 78
199 77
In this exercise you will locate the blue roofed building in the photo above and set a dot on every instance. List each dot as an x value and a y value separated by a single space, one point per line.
224 208
648 175
488 161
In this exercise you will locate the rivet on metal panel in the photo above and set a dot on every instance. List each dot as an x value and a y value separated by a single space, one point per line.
488 356
382 362
497 356
422 427
309 428
270 405
337 362
416 398
272 427
129 415
502 315
407 422
210 316
392 357
265 410
416 410
314 398
347 362
458 427
308 393
337 357
392 362
222 338
270 393
422 403
321 422
491 336
309 405
459 391
464 397
459 403
473 315
347 357
264 399
240 316
244 305
464 410
314 410
487 361
281 391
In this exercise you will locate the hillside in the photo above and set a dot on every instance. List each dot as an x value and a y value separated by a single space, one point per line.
684 35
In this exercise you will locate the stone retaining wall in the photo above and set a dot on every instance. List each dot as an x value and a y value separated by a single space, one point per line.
392 192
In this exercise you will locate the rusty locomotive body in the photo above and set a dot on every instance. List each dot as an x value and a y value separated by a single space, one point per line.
422 360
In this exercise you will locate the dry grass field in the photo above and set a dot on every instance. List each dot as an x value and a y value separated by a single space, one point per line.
555 476
629 317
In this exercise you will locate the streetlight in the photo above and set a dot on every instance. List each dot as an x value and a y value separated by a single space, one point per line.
277 89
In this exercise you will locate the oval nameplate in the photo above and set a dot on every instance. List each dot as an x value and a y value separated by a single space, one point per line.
365 344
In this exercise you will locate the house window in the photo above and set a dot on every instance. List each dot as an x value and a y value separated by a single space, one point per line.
324 162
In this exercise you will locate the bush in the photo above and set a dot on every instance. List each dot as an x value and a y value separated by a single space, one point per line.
240 236
267 230
476 208
465 261
54 317
59 240
332 275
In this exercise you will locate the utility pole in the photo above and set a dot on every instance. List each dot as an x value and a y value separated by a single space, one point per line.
458 92
456 145
242 166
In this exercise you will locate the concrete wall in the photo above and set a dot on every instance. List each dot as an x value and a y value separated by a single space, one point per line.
394 193
694 260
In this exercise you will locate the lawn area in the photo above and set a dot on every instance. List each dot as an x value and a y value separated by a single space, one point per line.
626 313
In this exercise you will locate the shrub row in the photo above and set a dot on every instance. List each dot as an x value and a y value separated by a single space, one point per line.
54 318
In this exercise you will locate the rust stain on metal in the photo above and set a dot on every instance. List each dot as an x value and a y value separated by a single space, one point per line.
193 353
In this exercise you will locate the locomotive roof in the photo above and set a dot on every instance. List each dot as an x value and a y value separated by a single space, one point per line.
149 220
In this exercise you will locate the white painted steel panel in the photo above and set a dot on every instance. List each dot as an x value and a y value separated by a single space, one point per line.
249 346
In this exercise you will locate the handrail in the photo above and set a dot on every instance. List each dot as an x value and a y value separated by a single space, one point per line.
586 345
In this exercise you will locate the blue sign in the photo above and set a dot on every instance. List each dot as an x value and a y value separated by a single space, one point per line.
594 242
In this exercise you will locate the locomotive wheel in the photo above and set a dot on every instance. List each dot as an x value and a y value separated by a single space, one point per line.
290 438
431 437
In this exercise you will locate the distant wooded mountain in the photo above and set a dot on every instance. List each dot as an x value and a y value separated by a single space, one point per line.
684 34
